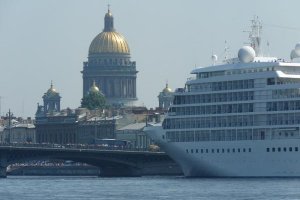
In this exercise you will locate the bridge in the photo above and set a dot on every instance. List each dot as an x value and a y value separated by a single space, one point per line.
111 161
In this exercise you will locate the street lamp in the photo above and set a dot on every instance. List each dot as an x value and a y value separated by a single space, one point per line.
9 115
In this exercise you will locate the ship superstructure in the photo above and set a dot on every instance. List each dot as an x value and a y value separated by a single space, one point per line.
239 118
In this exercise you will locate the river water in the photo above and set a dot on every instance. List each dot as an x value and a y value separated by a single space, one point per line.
147 188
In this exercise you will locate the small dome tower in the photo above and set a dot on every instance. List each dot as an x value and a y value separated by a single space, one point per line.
165 97
51 100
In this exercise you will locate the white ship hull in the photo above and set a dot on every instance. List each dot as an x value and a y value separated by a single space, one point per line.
256 163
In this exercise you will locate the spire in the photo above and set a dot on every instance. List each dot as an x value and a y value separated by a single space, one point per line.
108 21
51 85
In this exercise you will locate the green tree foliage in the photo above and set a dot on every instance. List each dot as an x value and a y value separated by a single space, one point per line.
93 100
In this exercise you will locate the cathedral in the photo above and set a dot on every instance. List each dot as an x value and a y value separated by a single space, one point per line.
110 67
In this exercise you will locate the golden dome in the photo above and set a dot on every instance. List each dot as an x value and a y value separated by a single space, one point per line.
167 89
94 88
109 41
52 90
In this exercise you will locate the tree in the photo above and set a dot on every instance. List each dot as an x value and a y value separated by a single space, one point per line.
93 100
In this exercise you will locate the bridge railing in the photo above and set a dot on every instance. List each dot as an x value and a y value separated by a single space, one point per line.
77 146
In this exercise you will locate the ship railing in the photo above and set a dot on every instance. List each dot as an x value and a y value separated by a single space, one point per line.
171 113
76 146
179 90
191 78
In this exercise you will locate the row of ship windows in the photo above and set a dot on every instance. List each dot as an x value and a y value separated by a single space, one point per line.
240 150
215 97
281 81
232 121
286 93
212 109
232 135
235 96
283 105
229 72
283 119
228 150
279 149
222 85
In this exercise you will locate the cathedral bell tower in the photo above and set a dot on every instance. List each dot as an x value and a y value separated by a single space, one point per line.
51 100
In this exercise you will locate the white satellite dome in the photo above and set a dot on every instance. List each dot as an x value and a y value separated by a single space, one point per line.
214 58
246 54
297 49
293 54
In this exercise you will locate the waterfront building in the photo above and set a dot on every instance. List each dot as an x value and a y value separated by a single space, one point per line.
165 98
20 133
69 126
109 65
135 134
96 128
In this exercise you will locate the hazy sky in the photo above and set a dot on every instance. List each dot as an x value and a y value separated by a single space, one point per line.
48 40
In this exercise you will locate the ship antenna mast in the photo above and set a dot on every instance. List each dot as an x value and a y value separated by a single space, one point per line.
255 35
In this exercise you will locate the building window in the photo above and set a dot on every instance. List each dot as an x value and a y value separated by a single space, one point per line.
273 149
296 148
192 150
249 150
278 149
197 151
187 151
206 150
213 151
290 149
268 149
284 149
244 150
201 150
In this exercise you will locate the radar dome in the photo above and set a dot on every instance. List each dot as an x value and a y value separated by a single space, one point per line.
214 58
246 54
297 49
293 54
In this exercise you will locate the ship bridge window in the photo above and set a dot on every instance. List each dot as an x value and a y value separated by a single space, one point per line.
271 81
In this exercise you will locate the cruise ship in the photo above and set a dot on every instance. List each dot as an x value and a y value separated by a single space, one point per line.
239 118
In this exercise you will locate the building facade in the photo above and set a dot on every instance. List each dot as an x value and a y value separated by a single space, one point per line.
69 126
109 65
